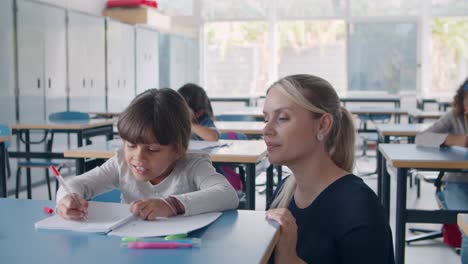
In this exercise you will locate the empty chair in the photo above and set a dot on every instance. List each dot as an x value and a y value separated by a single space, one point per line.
58 117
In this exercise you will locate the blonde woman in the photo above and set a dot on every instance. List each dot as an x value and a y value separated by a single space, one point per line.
326 214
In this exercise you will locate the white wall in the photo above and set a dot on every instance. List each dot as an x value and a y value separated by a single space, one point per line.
88 6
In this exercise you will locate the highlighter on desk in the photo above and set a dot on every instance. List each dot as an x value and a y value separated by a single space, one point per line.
160 245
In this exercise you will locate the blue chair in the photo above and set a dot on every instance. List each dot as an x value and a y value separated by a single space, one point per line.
234 118
58 117
110 197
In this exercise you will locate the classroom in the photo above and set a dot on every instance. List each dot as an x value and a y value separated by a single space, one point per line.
234 131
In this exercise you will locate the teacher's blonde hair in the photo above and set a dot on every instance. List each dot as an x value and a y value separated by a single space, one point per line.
319 97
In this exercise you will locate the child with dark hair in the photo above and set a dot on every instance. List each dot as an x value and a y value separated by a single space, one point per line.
153 169
203 127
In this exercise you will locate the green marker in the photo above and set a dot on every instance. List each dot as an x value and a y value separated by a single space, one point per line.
177 236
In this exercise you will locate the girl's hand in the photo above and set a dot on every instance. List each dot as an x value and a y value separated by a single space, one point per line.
150 209
72 207
285 251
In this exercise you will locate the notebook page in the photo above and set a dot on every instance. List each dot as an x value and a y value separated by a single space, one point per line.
102 217
165 226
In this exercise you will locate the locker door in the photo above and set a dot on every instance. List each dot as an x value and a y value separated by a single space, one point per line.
7 67
153 50
31 62
177 62
77 62
147 61
128 63
55 60
114 65
96 63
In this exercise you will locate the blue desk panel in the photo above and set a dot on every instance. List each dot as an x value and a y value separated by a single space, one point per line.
236 237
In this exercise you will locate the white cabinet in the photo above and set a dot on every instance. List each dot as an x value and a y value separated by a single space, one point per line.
147 59
86 62
7 67
41 60
179 61
120 65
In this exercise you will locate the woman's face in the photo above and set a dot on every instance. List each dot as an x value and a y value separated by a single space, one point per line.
290 132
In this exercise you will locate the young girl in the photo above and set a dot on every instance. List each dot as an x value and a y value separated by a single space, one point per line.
153 169
326 214
452 130
203 127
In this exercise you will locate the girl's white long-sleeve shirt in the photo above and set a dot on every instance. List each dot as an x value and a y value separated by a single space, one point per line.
193 181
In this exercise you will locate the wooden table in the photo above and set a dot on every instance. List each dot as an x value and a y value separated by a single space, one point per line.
371 99
256 112
409 156
248 152
3 166
247 100
418 116
244 127
83 131
238 236
104 114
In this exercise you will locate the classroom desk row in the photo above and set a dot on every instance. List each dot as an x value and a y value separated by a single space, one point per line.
236 237
247 152
405 157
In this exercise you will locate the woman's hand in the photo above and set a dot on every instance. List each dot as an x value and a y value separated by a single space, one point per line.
72 207
150 209
285 251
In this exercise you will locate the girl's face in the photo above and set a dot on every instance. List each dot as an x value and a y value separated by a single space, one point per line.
290 132
150 161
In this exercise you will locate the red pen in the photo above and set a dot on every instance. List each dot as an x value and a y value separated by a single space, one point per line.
47 210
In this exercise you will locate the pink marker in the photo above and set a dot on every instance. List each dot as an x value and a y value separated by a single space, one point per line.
158 245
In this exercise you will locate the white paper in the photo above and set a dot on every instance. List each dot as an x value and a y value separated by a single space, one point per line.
102 217
164 227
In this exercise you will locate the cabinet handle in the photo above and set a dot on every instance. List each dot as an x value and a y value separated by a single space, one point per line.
38 83
50 83
84 82
91 83
125 82
118 83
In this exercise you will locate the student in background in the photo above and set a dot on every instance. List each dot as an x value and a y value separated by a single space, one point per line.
452 130
326 214
203 127
153 169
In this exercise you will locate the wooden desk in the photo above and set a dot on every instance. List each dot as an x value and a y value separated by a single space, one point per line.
418 116
399 130
371 99
247 100
255 112
409 156
236 237
3 166
244 127
104 114
248 152
83 131
462 221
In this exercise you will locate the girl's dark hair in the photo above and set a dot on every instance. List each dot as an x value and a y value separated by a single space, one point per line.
156 115
196 98
458 99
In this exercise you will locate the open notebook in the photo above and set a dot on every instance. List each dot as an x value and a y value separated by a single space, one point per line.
115 219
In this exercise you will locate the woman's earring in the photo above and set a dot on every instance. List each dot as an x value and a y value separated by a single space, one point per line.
320 136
